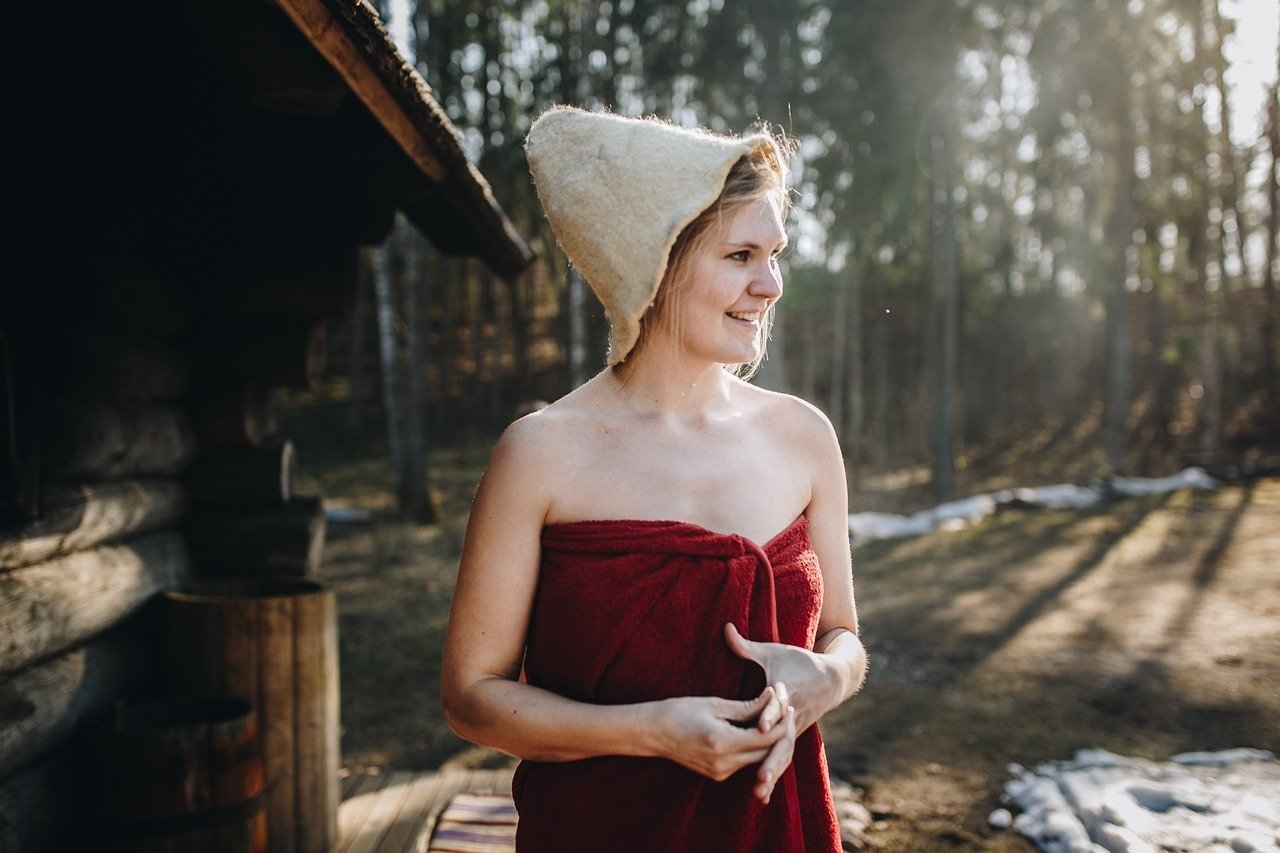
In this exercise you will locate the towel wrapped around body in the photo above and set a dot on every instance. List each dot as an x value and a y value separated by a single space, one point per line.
634 611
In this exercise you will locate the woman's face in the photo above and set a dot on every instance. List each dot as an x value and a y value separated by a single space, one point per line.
734 279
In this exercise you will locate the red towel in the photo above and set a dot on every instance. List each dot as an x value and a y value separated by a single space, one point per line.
632 611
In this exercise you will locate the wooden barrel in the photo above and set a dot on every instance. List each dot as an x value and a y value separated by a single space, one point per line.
181 776
275 642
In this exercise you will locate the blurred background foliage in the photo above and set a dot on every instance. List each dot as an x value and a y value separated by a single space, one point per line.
1023 227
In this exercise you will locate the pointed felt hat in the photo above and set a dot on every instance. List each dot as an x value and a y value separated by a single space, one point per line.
618 191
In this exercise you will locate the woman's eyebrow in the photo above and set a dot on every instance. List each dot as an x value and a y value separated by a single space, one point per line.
749 244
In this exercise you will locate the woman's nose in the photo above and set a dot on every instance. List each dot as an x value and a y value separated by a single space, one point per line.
767 283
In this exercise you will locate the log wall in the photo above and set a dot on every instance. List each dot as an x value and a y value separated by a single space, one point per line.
81 517
45 703
115 437
51 606
157 462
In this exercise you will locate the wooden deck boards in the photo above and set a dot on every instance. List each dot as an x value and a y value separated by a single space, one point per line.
395 811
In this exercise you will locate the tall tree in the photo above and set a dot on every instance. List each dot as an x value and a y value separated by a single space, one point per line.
1121 236
416 488
1271 305
1073 126
355 353
389 356
944 291
1204 275
852 432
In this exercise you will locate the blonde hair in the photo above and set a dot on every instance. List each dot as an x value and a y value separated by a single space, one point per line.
758 175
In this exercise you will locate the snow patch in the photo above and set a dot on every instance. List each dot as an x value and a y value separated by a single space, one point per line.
954 515
346 515
1101 802
1189 478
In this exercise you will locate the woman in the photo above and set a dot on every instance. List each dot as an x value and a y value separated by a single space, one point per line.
616 623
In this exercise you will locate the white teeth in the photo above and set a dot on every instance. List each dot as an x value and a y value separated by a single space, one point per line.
750 317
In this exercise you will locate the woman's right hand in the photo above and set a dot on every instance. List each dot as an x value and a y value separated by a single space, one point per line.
718 737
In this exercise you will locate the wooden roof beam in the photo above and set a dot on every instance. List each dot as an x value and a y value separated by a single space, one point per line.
332 39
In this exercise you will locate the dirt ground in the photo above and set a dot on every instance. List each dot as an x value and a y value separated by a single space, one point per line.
1148 627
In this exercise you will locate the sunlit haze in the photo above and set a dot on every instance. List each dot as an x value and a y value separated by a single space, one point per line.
1251 52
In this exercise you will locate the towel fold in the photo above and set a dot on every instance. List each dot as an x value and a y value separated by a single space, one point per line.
634 611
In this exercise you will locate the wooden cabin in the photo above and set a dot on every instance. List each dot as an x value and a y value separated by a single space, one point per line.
194 184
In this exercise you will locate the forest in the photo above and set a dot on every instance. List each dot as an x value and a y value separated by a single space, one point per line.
1016 221
1033 242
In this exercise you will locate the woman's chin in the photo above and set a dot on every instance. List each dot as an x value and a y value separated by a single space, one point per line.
741 355
736 350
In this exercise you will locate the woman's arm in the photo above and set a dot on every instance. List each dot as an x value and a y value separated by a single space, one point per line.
484 700
837 639
834 670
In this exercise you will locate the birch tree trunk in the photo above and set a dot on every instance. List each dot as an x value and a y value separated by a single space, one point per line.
388 356
355 359
417 491
577 328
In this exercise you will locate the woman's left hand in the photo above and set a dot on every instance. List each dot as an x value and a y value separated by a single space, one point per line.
811 686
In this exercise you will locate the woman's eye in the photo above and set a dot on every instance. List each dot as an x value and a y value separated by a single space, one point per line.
740 256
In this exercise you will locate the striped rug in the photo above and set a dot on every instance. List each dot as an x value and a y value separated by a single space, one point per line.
475 823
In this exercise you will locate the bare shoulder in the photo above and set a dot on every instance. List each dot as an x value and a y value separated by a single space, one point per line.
537 440
517 487
794 421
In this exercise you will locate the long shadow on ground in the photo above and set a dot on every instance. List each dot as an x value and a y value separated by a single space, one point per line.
1029 637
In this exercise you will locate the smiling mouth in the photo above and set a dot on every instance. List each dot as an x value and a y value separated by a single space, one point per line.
749 317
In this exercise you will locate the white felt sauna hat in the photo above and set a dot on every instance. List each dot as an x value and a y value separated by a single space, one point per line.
618 191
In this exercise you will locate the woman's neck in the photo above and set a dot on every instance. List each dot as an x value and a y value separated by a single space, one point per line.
674 385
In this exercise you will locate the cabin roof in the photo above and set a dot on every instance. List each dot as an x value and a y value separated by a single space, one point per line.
227 118
352 39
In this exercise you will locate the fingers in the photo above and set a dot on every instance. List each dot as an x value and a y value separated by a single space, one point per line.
774 710
722 736
746 710
761 716
729 748
778 758
762 712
